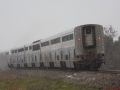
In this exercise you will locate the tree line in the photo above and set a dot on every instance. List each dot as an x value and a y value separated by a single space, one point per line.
112 49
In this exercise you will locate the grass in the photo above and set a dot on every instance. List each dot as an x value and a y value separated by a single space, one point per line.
32 83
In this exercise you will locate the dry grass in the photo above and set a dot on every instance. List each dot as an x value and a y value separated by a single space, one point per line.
12 80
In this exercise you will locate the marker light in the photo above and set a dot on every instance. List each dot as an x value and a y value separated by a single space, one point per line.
99 38
78 39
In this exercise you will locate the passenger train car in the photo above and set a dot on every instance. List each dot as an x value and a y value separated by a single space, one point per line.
81 48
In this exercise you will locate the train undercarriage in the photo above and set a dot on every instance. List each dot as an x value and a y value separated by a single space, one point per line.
78 65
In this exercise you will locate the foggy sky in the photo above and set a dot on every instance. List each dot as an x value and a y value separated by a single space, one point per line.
24 21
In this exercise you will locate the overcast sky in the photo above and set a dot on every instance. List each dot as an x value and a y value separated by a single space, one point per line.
24 21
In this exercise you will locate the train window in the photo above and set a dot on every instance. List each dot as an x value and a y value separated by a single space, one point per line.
45 44
17 60
30 47
36 47
33 47
88 30
74 53
71 36
67 38
26 48
44 58
21 50
61 55
29 58
41 44
52 42
57 57
56 40
7 53
40 57
66 57
50 56
18 50
13 51
69 54
64 38
35 58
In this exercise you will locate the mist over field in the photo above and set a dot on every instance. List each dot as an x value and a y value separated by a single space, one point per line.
3 62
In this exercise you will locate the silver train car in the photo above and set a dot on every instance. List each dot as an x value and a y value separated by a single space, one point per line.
80 48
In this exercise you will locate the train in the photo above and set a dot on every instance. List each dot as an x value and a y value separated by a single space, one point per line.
79 48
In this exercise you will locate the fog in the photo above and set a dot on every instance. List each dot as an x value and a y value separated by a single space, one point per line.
3 62
22 22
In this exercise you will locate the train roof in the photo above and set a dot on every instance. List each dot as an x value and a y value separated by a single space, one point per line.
36 41
57 35
21 47
89 24
64 32
8 52
26 45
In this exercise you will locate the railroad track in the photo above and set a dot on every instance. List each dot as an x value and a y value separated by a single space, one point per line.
78 71
110 71
105 72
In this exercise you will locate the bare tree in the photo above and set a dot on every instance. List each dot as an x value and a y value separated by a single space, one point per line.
110 31
110 53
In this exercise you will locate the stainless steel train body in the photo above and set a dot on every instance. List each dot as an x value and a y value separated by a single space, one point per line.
28 55
14 58
36 53
80 47
20 56
8 54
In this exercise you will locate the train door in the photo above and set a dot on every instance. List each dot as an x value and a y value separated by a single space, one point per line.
88 37
89 42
